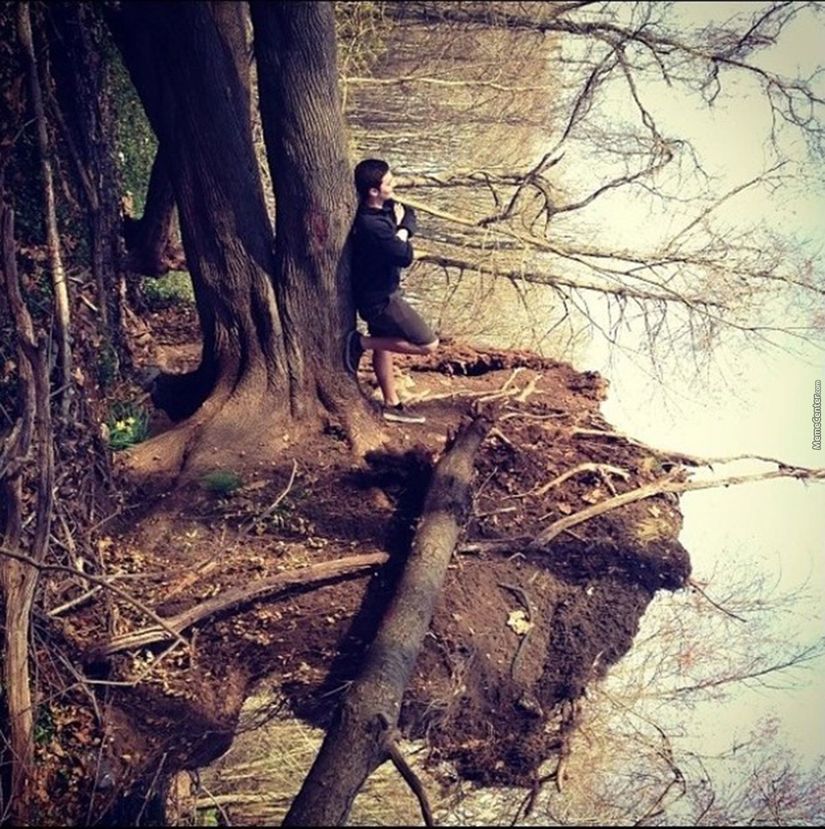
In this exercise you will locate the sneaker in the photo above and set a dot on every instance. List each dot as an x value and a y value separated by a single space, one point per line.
353 351
398 414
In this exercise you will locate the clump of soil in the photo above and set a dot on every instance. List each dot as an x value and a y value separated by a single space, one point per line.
517 635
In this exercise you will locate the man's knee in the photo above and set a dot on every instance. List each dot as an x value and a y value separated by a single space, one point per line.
429 348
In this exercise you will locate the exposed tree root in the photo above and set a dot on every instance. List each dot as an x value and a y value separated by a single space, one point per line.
238 427
668 484
175 625
600 468
672 455
521 594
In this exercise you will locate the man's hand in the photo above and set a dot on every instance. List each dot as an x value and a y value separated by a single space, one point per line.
403 234
398 209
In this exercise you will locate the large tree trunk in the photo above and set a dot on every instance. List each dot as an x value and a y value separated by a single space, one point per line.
364 727
232 20
150 239
304 130
188 82
266 352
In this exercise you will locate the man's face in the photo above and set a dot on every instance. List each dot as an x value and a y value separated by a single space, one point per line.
385 191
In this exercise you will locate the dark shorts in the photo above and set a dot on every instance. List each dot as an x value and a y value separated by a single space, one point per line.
395 317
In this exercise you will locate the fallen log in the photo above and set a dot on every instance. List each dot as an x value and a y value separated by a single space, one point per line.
234 597
362 734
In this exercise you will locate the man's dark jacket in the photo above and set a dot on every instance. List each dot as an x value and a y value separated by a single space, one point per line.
378 254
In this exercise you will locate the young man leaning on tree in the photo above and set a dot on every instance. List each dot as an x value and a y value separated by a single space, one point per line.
380 248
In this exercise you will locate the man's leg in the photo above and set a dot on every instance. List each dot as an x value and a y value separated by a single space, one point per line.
398 329
382 364
382 350
396 344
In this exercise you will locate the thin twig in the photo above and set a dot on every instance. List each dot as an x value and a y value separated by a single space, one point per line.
531 619
497 433
56 611
495 512
411 778
273 506
534 416
707 598
151 786
102 582
214 802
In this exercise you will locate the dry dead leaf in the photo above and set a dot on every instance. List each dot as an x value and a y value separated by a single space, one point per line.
517 622
594 496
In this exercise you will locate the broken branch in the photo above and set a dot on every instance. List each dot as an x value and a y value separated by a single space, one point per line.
411 778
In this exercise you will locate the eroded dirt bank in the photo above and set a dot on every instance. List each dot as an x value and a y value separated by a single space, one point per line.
517 635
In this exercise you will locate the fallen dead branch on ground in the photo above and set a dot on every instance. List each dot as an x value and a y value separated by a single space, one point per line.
669 484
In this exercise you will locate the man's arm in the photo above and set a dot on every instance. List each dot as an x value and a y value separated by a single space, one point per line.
392 244
405 218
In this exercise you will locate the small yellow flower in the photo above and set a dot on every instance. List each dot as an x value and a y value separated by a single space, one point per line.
130 421
120 425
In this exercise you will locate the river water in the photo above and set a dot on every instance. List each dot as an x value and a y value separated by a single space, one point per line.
757 549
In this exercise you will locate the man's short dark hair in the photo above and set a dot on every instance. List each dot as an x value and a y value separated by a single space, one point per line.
368 174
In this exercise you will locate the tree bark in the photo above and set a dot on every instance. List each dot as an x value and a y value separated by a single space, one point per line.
188 81
357 742
233 22
304 130
149 238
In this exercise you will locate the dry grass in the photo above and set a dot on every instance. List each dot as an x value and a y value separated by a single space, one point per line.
254 783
